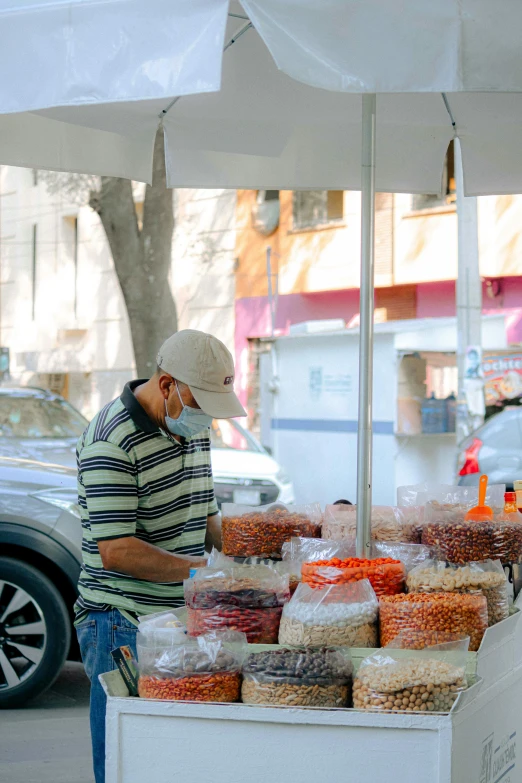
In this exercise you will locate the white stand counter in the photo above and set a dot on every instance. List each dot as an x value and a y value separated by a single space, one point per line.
152 741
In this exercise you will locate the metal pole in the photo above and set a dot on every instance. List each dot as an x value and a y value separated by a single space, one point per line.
469 299
364 431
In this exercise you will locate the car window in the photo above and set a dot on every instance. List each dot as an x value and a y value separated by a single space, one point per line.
228 434
33 417
503 430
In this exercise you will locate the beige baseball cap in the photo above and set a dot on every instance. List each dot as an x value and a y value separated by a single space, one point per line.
206 365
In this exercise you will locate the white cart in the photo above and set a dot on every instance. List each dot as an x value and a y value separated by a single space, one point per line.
151 741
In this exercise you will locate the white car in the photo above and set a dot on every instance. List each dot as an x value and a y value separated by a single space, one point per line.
243 471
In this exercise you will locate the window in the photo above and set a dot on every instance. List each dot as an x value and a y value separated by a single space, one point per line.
265 212
317 207
32 417
228 434
33 271
449 187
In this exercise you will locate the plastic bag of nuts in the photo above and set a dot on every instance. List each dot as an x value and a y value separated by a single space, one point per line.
487 577
386 575
204 669
427 680
298 678
388 523
254 586
450 494
262 531
341 615
460 613
464 542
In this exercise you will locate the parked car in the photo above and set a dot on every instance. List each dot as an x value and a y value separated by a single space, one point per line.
39 425
40 555
494 448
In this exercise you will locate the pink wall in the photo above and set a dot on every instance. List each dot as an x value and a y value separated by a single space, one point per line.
434 300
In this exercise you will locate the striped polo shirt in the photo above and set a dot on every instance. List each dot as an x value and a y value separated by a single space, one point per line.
134 480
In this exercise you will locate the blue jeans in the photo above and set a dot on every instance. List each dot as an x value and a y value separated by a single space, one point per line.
98 634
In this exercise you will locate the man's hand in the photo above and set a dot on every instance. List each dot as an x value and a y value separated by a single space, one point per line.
213 537
131 556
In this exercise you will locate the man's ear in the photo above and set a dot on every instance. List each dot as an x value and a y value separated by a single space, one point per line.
165 383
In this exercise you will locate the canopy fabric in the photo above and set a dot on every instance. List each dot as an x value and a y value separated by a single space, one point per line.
85 83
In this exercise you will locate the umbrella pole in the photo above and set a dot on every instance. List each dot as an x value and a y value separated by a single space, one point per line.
364 431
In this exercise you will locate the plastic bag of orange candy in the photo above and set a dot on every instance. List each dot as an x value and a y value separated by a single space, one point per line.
386 575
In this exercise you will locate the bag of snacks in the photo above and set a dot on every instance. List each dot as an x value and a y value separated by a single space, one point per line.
459 541
308 550
204 669
452 494
411 555
488 578
427 680
418 615
388 523
298 678
262 531
240 598
338 615
386 575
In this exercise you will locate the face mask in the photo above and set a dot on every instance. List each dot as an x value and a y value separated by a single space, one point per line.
189 422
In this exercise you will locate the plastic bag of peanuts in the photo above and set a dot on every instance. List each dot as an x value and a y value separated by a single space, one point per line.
207 668
400 680
388 523
337 615
261 531
432 613
305 677
488 578
450 494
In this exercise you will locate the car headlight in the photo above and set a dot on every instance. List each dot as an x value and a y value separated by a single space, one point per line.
283 477
66 499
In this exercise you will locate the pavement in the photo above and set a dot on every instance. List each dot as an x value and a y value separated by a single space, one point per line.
48 740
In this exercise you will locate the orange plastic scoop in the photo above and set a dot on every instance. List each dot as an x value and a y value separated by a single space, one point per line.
481 512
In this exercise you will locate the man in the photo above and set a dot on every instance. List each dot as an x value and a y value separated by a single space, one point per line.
147 501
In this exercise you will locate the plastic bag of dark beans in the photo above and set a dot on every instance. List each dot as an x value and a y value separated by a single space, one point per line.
261 531
207 668
301 677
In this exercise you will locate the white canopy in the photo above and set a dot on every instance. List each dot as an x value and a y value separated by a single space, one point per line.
85 82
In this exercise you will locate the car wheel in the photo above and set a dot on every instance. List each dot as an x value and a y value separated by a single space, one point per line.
35 632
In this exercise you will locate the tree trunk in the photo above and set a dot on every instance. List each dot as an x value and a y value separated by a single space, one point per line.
142 258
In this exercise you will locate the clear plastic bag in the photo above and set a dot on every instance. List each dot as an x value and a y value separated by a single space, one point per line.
337 615
421 494
204 669
308 550
298 678
388 523
411 555
488 577
427 680
241 598
459 541
421 616
262 531
386 576
255 586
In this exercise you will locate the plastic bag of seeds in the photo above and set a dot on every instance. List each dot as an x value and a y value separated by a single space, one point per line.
298 677
450 494
459 541
262 531
400 680
340 615
255 586
204 669
432 613
388 523
488 578
308 550
411 555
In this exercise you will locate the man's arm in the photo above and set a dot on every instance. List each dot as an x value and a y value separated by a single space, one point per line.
213 537
130 555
